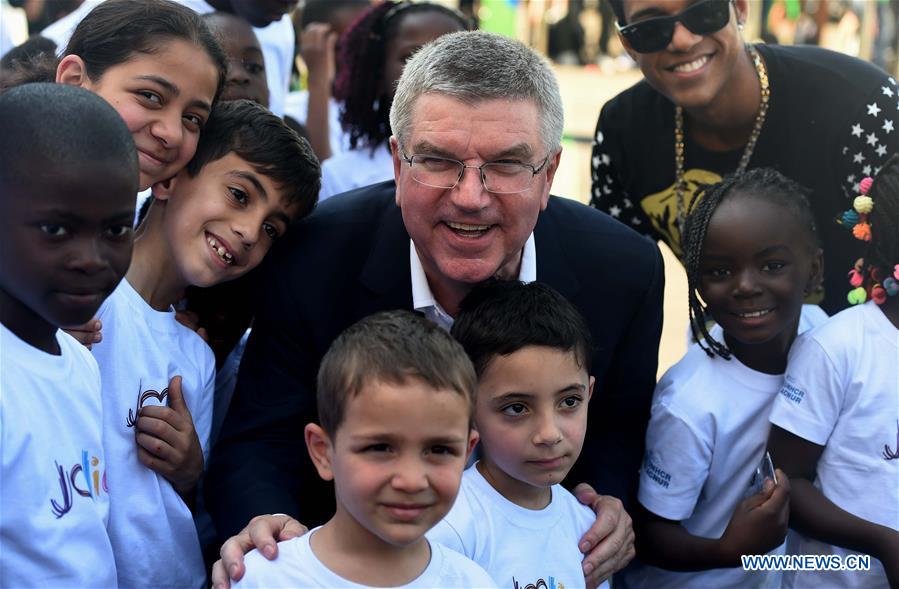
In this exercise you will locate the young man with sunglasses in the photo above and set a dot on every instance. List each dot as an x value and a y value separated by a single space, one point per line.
711 105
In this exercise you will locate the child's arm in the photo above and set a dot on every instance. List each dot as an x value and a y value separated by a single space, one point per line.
814 515
757 526
317 47
167 442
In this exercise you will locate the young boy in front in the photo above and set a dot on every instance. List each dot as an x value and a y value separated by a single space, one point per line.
66 205
531 351
214 221
395 396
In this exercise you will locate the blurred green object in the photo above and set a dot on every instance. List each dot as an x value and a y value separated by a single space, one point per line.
499 16
794 9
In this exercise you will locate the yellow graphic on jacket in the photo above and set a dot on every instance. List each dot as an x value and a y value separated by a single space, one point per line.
661 207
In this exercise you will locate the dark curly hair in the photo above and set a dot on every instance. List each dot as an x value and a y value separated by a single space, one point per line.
365 110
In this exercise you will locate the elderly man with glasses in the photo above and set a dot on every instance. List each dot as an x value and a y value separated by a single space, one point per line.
477 126
712 105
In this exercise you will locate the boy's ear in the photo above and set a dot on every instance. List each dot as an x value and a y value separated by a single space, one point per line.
164 189
71 70
590 387
816 276
473 437
318 443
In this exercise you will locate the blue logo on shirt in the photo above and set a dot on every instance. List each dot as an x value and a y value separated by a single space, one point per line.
85 479
791 393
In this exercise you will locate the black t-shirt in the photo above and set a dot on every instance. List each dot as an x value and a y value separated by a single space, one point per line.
832 120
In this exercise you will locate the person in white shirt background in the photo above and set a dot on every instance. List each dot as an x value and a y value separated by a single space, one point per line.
372 55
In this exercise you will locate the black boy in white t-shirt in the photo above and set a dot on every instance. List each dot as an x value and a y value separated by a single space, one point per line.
66 205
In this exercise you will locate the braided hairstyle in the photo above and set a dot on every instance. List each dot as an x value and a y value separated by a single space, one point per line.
761 183
883 249
365 110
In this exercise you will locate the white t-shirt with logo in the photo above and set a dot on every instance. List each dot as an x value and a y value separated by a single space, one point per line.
519 547
706 436
298 566
842 392
54 501
152 530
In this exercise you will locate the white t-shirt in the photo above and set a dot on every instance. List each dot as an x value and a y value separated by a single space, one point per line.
278 42
354 168
297 566
54 501
519 547
152 530
842 392
707 433
297 106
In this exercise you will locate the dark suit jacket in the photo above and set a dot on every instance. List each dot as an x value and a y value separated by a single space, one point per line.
349 259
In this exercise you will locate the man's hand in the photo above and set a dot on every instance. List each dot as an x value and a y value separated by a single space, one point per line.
261 533
88 333
609 544
167 442
759 523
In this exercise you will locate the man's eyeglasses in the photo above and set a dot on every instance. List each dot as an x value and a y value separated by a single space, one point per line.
498 177
654 34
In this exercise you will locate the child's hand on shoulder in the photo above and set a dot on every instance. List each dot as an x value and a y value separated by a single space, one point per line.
88 333
759 523
167 442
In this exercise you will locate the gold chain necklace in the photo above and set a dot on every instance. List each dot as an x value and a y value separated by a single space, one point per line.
750 145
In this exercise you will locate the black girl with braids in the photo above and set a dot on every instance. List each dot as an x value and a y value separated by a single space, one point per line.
373 52
749 265
751 254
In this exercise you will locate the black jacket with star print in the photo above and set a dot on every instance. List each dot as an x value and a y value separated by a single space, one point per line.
832 120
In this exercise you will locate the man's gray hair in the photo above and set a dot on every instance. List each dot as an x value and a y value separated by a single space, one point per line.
473 66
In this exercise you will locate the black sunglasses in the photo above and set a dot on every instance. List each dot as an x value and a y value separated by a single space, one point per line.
654 34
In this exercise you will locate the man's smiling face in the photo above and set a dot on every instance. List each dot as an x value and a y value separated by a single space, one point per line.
466 234
692 70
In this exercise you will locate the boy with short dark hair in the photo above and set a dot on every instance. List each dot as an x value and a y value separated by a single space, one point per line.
395 396
250 178
66 205
531 350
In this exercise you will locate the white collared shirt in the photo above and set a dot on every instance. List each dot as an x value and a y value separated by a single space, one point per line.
423 299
